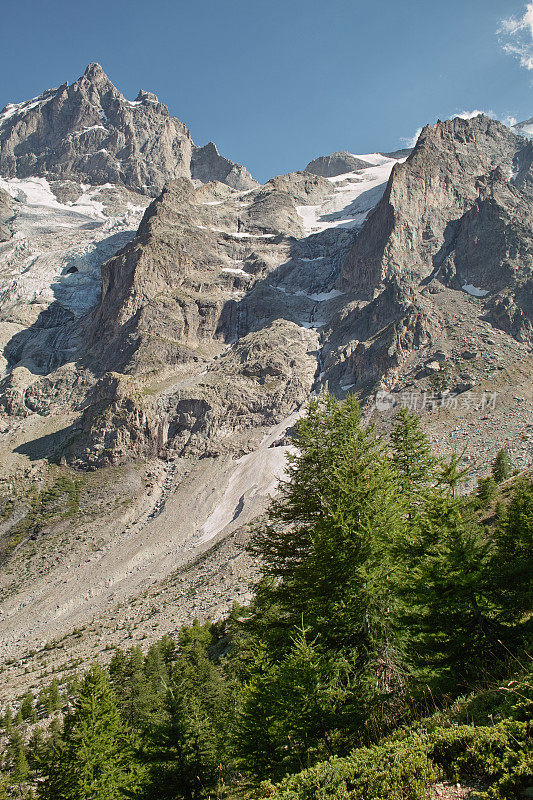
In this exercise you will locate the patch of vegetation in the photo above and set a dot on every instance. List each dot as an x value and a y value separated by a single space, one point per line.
60 501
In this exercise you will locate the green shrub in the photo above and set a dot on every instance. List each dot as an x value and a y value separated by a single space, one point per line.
498 758
396 770
501 757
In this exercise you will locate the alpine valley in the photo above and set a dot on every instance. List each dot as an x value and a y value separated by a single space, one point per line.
164 320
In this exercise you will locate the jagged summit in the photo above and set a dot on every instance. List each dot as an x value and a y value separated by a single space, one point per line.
336 164
94 71
89 131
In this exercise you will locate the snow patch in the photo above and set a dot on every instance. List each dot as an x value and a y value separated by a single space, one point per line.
474 291
235 271
318 297
524 129
86 130
244 235
354 195
257 473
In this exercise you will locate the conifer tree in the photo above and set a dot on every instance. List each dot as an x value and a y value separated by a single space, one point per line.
502 467
510 573
36 749
413 457
95 757
53 700
486 490
447 613
327 553
8 719
131 686
26 708
325 546
188 746
288 711
19 769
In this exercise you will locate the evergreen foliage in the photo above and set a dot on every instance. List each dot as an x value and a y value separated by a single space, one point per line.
187 744
487 490
511 565
94 759
26 707
502 469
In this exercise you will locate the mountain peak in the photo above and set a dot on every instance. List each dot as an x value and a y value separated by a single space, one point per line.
95 74
92 133
93 68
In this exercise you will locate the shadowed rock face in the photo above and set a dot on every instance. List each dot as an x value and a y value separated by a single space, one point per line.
90 131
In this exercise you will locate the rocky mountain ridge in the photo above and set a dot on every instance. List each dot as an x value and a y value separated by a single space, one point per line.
168 344
88 131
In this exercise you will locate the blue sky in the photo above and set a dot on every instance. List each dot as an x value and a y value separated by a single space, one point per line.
278 83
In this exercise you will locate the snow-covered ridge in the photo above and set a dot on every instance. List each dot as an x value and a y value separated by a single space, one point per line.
524 128
354 194
15 109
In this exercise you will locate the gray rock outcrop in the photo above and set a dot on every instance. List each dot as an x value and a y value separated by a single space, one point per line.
208 165
336 164
6 215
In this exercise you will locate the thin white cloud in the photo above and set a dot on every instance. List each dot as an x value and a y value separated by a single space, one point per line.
475 113
517 37
410 141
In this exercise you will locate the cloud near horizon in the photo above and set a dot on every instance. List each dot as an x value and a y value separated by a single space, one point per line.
517 37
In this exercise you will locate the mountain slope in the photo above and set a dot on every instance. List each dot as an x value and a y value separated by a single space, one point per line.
159 349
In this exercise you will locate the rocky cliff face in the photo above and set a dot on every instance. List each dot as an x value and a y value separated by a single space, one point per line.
453 229
88 131
208 165
412 230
